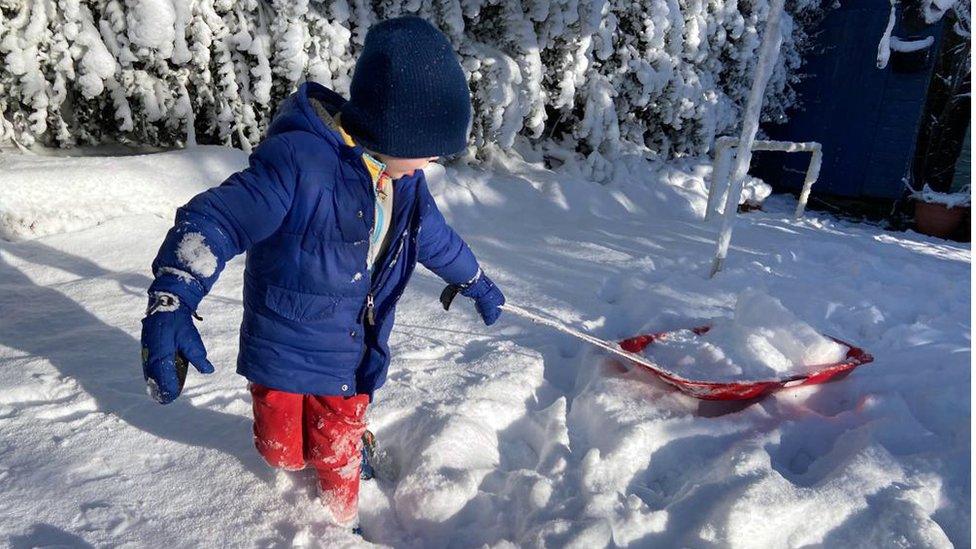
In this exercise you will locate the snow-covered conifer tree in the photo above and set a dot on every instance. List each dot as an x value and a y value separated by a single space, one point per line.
666 76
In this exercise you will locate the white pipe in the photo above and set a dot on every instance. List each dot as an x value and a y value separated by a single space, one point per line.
770 145
785 146
768 53
720 175
725 147
813 173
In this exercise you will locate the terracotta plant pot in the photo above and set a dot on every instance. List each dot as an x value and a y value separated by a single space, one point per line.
937 220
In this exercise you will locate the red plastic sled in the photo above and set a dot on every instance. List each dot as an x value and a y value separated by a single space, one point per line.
744 390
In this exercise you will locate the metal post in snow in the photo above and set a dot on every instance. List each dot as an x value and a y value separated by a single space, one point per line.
768 53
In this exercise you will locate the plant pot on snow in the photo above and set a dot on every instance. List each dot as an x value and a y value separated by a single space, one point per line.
938 220
940 214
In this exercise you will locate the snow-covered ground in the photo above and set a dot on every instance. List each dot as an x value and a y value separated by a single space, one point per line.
502 436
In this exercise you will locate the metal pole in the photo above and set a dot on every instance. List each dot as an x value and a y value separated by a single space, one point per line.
768 53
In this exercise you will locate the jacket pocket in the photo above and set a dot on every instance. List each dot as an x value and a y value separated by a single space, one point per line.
299 305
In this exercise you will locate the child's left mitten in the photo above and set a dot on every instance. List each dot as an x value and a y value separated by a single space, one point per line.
487 297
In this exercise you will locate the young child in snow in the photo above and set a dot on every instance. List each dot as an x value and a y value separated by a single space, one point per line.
334 213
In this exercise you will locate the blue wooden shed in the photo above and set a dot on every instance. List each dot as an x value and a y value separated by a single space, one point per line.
866 118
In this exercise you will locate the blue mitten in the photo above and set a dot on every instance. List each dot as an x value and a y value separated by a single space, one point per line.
169 341
487 297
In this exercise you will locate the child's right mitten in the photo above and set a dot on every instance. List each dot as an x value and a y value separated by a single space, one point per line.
169 341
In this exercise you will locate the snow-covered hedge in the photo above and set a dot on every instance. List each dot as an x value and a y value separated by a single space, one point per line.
663 74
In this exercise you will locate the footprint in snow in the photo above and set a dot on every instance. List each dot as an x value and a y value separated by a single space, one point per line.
612 289
104 516
435 352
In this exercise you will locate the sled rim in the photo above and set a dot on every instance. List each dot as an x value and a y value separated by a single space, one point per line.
747 389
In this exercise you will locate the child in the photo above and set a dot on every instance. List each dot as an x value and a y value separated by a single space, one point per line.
334 213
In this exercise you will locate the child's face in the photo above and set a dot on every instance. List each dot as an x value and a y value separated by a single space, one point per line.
399 167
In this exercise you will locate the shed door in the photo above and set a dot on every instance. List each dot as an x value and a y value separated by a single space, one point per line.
866 118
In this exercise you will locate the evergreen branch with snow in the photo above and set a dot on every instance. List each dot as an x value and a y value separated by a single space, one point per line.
664 75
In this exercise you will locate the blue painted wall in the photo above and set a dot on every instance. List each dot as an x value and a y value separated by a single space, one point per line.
866 118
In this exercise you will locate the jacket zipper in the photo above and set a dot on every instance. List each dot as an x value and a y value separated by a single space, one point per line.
370 314
396 256
370 319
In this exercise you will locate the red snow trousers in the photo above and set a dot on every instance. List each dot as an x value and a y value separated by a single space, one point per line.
292 430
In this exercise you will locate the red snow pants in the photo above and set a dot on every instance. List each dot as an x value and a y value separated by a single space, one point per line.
292 430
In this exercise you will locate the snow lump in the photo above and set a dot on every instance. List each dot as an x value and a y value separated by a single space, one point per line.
763 340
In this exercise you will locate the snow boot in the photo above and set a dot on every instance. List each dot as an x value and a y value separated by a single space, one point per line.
366 471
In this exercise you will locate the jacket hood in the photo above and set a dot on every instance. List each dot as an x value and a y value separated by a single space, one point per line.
296 113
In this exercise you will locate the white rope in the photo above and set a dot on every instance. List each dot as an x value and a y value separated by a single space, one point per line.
603 344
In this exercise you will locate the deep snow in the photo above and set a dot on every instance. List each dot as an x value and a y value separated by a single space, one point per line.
509 435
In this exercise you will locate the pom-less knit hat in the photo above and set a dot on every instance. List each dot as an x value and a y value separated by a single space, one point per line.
408 96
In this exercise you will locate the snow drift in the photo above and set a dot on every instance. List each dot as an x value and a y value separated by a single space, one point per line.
44 195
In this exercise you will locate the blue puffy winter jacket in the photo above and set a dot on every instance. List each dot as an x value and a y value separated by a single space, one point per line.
303 211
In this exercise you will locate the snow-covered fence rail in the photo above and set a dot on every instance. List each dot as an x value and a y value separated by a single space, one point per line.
667 75
724 147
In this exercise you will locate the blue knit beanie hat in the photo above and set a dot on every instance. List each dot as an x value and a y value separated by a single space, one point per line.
408 96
